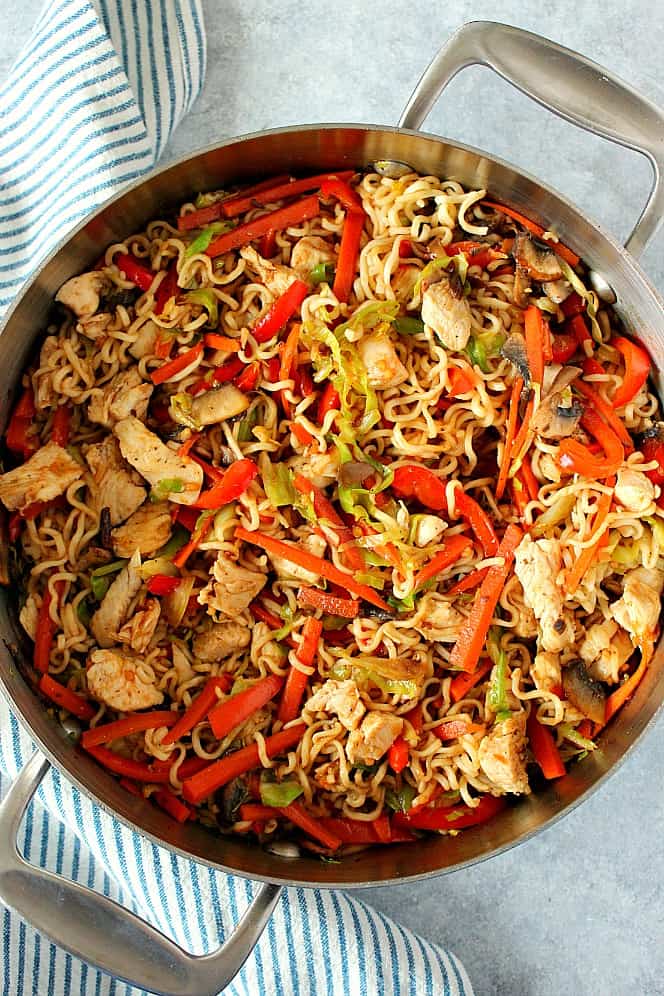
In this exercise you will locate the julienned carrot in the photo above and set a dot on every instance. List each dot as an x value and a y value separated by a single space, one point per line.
608 414
293 214
454 728
529 479
544 748
449 555
228 714
351 554
198 709
138 770
181 557
234 206
172 805
255 811
212 212
462 683
558 247
297 555
524 431
349 251
66 698
469 582
213 340
332 605
176 365
301 434
575 575
136 723
510 434
535 347
472 635
617 699
298 815
220 772
297 680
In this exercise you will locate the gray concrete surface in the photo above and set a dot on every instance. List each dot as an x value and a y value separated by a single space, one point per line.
580 909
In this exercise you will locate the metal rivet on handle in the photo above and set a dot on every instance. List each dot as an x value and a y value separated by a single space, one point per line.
602 288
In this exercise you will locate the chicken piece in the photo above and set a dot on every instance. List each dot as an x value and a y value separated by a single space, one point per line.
446 311
29 616
403 283
139 630
526 625
82 294
341 699
639 608
114 485
545 671
127 394
549 467
589 587
502 756
156 462
95 327
231 588
114 679
219 640
376 734
537 565
47 474
605 649
286 569
437 619
45 394
321 469
384 368
146 338
276 277
147 530
309 252
94 556
427 529
634 490
115 605
219 404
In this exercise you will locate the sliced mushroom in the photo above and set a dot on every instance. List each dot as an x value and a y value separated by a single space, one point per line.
537 259
557 290
588 695
522 287
514 350
218 405
559 412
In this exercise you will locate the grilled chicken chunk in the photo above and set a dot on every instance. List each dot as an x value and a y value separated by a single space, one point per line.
384 368
373 739
231 587
221 639
447 313
112 613
147 530
114 678
639 608
139 630
319 468
276 277
635 491
537 566
47 474
309 252
502 756
156 462
127 394
114 486
605 649
340 699
82 294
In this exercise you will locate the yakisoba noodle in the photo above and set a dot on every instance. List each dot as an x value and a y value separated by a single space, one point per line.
472 586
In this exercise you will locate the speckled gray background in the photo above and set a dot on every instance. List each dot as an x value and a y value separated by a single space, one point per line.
579 911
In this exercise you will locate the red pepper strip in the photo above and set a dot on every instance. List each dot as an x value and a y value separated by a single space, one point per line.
220 772
234 483
405 249
608 414
198 709
652 450
132 787
277 192
462 683
267 245
14 526
578 328
573 305
472 635
297 680
61 425
347 608
249 378
175 366
451 817
259 611
17 437
563 346
349 251
215 474
413 481
462 379
293 214
183 554
187 517
378 831
477 253
252 811
46 630
298 815
469 582
136 723
452 550
222 375
415 718
637 370
135 271
532 226
213 340
398 755
478 520
167 289
170 803
351 554
162 584
456 728
544 748
575 458
583 562
535 335
510 435
191 766
162 347
226 715
330 401
280 312
592 367
301 434
66 698
138 770
342 192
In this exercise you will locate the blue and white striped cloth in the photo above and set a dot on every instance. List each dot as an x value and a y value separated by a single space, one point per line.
90 104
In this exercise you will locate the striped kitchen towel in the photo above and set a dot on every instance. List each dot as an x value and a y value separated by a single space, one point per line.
90 105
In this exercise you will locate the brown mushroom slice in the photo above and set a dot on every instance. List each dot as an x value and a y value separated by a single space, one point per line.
588 695
514 350
557 291
537 259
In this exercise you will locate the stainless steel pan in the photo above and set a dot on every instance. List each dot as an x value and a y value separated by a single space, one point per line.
97 929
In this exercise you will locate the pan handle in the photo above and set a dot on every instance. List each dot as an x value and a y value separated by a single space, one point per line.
564 82
99 930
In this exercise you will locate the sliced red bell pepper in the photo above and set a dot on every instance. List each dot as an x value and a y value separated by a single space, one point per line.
198 709
176 365
276 221
563 347
405 249
462 380
221 375
637 370
451 817
544 747
234 483
575 458
607 412
351 554
573 305
46 629
213 212
452 550
280 312
298 815
297 680
329 401
577 327
61 425
162 584
398 755
342 192
136 723
413 481
229 713
18 437
592 367
267 244
139 771
135 271
172 805
249 377
74 703
205 782
167 289
277 191
651 450
349 251
478 520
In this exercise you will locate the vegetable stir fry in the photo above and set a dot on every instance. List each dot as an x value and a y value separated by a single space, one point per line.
335 506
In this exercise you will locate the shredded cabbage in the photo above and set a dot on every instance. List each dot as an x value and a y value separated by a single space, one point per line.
203 240
180 410
588 296
208 300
